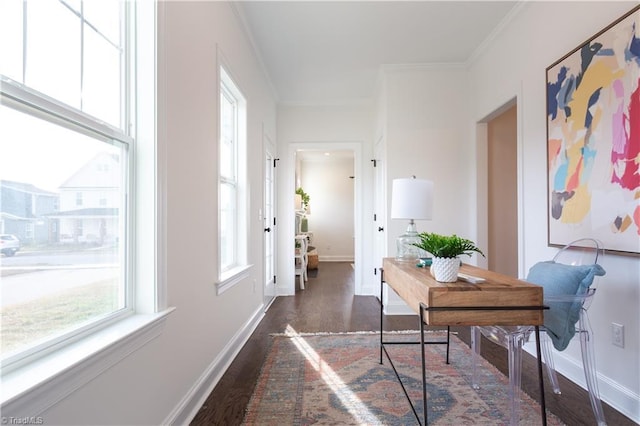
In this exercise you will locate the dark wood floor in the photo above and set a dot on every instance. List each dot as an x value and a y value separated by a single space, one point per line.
328 304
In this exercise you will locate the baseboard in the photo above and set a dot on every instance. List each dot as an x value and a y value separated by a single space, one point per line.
370 290
618 397
335 258
399 308
190 404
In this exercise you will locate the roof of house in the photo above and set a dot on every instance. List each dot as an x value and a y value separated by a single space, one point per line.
25 187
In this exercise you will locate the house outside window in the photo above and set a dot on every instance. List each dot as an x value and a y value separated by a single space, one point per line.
29 231
24 208
232 181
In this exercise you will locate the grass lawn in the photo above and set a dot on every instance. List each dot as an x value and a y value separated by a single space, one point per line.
25 323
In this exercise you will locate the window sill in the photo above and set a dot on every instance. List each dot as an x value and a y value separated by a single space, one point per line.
232 277
30 390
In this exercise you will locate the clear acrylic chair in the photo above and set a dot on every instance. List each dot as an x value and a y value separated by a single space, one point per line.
586 251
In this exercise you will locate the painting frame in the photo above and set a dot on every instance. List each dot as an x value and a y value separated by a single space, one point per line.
593 140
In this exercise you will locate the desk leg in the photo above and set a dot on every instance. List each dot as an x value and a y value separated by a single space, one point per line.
448 341
424 367
381 311
543 407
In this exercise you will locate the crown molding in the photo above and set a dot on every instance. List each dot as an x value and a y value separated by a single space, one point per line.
246 29
497 30
354 102
423 66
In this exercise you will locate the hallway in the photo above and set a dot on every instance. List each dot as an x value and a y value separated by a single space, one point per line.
328 304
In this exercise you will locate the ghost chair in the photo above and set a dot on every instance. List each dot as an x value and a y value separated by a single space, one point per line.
568 292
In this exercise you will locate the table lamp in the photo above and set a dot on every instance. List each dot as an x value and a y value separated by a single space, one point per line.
411 199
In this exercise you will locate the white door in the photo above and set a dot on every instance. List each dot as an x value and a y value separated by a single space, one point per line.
269 219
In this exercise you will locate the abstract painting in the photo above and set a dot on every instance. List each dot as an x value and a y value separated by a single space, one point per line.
593 139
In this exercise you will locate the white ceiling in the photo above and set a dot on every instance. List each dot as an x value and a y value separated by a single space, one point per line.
325 52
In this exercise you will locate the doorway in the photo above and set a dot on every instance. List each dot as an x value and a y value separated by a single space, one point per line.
327 177
328 249
502 190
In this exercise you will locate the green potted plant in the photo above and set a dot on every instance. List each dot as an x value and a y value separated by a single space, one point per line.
305 198
445 250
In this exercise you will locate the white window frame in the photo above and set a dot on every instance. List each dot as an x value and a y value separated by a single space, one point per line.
239 269
232 182
37 383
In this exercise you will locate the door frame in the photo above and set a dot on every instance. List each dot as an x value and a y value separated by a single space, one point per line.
287 287
268 217
380 248
482 181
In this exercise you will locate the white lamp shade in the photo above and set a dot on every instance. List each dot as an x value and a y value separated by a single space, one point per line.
412 199
297 200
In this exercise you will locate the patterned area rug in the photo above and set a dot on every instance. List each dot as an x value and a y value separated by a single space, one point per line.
336 379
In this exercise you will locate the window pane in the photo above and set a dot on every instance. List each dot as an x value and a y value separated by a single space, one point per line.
53 51
227 116
105 17
69 265
226 160
227 135
76 5
101 81
11 39
227 226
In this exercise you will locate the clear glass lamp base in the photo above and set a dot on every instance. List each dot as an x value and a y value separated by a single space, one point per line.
405 250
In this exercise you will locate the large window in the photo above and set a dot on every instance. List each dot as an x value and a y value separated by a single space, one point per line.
232 181
65 164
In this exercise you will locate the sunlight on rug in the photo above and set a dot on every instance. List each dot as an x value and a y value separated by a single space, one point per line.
324 379
341 390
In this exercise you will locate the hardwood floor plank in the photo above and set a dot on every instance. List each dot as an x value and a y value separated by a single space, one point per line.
328 304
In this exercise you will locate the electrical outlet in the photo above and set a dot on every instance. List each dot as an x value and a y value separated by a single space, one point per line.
617 334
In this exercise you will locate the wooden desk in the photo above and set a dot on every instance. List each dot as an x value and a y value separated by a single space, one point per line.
416 285
499 300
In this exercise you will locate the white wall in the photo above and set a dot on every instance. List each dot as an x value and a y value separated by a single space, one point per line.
325 127
328 183
164 381
420 110
514 66
425 138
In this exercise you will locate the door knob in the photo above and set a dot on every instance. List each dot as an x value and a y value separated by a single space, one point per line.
380 229
267 229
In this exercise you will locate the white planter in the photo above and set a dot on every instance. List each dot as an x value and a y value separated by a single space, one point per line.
445 269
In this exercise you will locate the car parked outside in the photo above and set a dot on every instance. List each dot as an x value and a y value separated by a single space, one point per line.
9 244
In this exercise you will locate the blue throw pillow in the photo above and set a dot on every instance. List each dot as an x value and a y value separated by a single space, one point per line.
559 279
